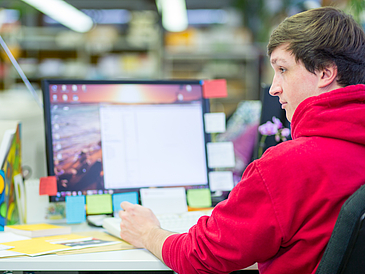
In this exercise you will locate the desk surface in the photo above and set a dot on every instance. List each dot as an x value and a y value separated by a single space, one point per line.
123 260
136 259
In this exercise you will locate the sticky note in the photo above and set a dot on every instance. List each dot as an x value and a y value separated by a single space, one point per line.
199 197
164 200
48 186
75 209
220 154
131 197
215 88
215 122
221 180
99 204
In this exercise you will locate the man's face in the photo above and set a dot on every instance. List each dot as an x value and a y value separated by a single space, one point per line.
292 82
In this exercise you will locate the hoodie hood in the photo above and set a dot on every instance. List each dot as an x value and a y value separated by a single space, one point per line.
336 114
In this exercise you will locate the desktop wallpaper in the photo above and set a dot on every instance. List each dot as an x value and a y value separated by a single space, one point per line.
77 150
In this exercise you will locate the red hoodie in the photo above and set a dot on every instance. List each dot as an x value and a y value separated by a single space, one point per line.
283 211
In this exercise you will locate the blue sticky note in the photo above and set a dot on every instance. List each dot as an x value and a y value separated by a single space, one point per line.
131 197
75 209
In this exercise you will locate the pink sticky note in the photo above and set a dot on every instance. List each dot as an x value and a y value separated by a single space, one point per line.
48 186
215 88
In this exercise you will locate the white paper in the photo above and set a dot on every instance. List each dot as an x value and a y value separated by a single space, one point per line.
11 237
221 180
164 200
6 253
220 154
5 247
35 204
215 122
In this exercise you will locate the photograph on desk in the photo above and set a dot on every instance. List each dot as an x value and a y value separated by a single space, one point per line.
10 168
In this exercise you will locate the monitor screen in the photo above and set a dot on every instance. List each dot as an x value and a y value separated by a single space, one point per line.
121 136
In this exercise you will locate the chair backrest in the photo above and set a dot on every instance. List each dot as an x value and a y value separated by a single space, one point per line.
345 252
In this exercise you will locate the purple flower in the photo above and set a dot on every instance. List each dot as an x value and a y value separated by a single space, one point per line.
285 132
277 122
268 128
272 128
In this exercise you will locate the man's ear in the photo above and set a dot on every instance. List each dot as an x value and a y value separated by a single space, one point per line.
328 76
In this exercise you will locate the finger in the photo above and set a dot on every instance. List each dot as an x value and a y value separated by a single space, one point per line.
125 205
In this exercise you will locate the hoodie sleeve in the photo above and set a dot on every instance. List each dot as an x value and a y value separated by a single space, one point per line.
242 230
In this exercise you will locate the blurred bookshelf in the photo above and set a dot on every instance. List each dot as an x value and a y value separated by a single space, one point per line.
216 53
138 50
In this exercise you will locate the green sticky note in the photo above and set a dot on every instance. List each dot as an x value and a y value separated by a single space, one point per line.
99 204
200 197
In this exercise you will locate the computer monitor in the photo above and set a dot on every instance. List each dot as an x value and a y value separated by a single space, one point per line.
121 136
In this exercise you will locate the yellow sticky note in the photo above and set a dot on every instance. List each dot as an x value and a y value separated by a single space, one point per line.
35 246
99 204
200 197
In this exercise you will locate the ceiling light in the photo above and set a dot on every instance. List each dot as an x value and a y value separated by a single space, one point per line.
64 13
174 15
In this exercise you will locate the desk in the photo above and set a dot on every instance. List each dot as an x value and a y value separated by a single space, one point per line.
123 260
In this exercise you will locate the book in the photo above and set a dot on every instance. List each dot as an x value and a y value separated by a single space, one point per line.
10 168
38 230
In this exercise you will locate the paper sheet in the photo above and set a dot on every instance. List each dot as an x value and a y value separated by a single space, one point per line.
215 122
48 186
216 88
75 209
220 154
99 204
10 237
200 197
131 197
121 245
221 180
164 200
35 246
7 253
52 244
35 205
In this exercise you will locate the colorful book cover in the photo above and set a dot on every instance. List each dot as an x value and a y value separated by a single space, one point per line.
9 213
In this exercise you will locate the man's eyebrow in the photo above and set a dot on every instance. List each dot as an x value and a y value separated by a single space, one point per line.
275 60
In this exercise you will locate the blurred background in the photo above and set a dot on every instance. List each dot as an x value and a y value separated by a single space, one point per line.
139 39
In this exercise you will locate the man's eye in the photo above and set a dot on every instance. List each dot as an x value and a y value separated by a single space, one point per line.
282 70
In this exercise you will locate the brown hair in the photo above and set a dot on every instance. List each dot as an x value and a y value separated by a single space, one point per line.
324 36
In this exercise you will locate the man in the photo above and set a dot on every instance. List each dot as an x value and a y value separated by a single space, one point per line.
283 211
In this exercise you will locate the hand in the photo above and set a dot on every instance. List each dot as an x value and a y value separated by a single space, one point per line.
137 222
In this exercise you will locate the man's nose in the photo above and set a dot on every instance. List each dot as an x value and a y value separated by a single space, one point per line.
275 89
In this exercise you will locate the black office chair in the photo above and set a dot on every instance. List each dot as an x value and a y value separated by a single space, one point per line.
345 252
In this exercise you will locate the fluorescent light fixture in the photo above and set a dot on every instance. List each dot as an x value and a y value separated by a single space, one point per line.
64 13
174 15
